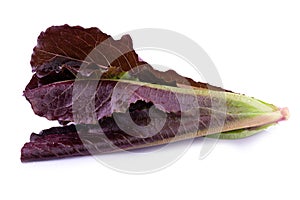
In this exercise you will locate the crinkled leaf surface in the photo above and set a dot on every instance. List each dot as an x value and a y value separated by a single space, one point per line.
63 51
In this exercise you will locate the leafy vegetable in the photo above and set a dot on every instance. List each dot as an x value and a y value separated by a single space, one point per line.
54 101
63 51
86 77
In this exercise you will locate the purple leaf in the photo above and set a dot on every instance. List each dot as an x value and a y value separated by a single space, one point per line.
86 77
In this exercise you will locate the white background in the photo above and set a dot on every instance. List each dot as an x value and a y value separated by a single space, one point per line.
254 44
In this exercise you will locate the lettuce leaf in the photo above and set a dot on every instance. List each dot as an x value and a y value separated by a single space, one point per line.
85 77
